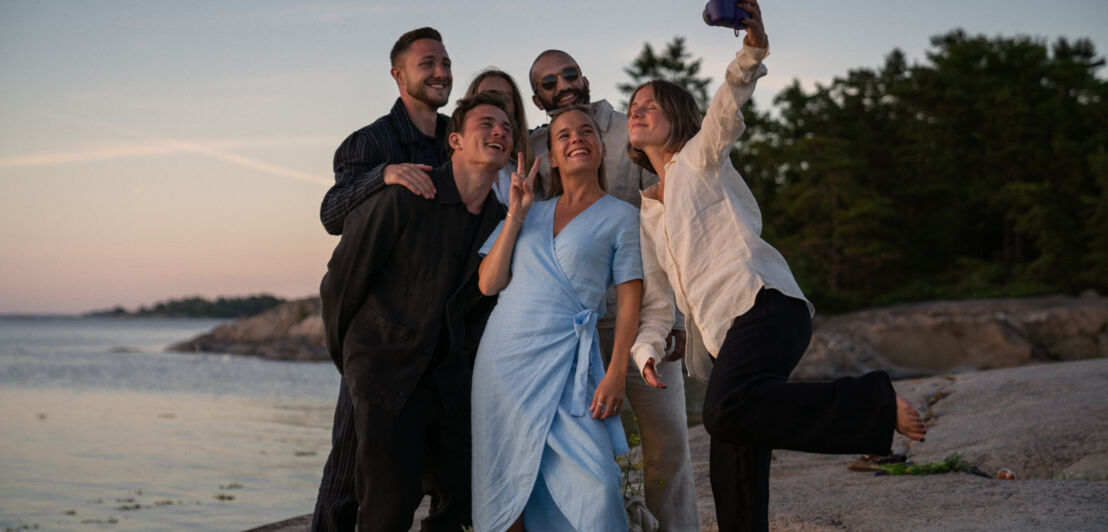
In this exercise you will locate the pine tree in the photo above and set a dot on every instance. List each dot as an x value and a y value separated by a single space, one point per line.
672 65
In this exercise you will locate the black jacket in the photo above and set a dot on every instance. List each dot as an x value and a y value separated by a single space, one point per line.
396 274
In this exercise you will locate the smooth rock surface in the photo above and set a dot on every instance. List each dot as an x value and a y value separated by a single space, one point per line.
911 340
291 331
1046 422
922 339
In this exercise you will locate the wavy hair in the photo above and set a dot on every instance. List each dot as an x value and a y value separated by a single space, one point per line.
679 108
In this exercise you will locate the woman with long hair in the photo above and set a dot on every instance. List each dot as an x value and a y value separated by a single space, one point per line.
747 321
545 412
501 84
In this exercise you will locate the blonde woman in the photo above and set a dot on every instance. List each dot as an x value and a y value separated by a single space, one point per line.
545 412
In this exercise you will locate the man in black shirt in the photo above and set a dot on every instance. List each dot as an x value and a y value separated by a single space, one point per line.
403 317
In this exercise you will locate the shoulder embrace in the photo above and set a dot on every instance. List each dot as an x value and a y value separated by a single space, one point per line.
396 202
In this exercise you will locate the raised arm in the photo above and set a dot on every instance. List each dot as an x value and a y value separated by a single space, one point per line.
723 123
496 268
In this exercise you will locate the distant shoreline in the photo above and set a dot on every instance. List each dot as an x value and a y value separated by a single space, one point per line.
196 307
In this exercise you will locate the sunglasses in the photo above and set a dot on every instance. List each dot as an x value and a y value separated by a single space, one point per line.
570 74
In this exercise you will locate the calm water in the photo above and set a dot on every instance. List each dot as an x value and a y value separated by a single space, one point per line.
102 430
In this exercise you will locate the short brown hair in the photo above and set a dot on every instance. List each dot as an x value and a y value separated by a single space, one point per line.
679 107
467 104
521 142
556 188
405 41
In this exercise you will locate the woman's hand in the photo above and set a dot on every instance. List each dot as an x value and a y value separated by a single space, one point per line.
608 398
650 375
755 28
522 194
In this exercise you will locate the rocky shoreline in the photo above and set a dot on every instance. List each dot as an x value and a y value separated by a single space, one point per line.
909 340
1006 383
1046 422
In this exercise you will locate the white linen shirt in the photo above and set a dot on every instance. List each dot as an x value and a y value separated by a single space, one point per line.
702 249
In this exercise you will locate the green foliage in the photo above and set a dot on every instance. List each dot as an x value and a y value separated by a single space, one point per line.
981 172
198 307
224 307
631 468
673 64
951 464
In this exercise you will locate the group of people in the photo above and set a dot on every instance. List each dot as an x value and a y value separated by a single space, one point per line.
497 293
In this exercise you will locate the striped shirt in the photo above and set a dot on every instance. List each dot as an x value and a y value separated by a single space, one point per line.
361 159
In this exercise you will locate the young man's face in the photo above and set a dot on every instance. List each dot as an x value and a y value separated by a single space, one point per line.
558 82
486 137
424 73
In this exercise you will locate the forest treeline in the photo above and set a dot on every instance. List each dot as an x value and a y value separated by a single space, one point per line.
199 307
981 172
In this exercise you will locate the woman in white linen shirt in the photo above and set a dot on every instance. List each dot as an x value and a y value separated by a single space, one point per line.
702 248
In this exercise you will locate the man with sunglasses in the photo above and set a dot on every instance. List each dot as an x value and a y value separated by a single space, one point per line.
557 82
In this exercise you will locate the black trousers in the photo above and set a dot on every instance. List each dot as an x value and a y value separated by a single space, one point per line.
750 408
336 505
398 454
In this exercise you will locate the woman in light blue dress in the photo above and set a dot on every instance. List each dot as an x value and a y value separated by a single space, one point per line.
545 412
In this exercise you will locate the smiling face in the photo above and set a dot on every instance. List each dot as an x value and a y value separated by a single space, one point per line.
575 143
647 125
485 137
424 73
564 92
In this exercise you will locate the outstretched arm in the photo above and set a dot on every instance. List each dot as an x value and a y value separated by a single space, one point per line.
496 268
723 123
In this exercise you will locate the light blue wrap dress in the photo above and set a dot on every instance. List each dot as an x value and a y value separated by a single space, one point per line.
536 448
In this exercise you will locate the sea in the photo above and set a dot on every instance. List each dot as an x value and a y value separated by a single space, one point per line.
101 428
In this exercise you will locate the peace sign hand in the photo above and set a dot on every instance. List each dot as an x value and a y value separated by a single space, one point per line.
522 194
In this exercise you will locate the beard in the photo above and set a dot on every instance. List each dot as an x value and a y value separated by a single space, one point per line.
580 97
421 92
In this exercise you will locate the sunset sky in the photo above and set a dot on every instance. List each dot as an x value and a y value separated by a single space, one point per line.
154 149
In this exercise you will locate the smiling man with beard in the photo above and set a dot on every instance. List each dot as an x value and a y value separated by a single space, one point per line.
402 146
557 82
399 148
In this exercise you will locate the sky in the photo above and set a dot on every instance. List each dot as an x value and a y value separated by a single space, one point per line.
157 149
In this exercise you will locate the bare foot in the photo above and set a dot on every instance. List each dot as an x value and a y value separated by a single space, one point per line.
908 421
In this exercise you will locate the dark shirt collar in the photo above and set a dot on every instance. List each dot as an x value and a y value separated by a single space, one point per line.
447 187
443 178
409 133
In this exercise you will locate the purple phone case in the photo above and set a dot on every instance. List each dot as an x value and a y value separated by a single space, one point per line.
725 13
